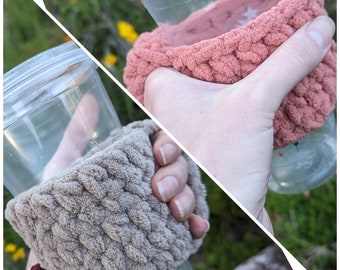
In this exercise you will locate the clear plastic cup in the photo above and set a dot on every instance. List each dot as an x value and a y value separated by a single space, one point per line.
306 164
185 22
56 109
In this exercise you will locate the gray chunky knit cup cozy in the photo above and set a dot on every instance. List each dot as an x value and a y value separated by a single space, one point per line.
102 214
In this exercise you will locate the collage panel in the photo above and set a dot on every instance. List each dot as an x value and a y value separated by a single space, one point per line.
302 192
57 106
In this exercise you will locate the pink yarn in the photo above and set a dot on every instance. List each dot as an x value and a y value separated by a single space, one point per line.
230 57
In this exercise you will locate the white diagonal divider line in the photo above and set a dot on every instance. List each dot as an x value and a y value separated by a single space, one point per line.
40 3
294 263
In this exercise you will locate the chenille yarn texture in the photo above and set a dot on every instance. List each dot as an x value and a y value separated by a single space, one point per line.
230 57
102 214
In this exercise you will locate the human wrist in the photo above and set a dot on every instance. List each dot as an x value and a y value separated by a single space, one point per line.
265 221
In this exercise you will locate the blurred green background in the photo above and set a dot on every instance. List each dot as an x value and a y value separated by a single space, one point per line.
305 224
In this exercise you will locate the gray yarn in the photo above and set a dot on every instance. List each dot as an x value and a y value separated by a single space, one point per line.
102 213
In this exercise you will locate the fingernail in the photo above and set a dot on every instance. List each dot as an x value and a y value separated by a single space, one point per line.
208 226
167 150
184 204
322 30
168 187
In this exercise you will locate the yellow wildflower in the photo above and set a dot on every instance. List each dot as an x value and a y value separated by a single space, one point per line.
73 1
127 31
109 60
67 38
19 254
10 248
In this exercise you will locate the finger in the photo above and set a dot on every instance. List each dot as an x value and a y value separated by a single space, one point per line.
76 136
32 260
198 226
169 181
291 62
165 150
183 205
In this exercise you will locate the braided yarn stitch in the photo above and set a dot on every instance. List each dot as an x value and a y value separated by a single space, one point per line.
230 57
102 214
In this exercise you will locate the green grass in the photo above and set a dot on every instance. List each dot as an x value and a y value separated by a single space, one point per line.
304 223
29 33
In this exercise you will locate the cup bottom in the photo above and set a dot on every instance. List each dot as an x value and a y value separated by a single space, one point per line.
306 164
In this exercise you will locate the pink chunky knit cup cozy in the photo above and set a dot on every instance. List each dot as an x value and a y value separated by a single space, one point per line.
232 55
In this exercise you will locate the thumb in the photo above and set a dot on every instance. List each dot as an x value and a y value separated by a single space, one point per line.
291 62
